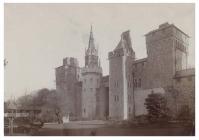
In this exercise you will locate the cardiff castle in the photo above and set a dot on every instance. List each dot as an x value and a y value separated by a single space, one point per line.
88 95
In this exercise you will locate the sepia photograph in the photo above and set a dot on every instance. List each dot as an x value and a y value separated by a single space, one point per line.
99 69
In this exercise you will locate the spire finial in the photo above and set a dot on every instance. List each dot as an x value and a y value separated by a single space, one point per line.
91 28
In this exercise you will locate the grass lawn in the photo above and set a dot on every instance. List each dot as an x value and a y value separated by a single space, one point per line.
119 130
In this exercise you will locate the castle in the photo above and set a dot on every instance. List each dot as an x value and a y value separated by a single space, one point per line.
87 94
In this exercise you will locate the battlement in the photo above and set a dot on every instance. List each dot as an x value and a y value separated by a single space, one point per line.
95 69
120 52
70 61
116 53
166 30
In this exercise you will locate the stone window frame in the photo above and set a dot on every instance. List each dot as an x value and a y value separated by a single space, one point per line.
129 97
116 98
189 79
91 80
135 83
139 82
178 80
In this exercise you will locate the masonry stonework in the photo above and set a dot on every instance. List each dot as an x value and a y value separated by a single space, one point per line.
87 94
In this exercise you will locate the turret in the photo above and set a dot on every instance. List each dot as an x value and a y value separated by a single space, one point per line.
91 53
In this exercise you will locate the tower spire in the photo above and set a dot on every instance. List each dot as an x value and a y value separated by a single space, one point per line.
91 39
91 56
91 45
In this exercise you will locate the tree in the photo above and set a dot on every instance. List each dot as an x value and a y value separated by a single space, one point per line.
54 104
40 98
46 100
156 107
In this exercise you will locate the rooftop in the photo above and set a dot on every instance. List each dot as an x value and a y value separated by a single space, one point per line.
164 26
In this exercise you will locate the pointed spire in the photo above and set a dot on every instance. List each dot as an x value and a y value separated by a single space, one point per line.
91 39
91 28
91 46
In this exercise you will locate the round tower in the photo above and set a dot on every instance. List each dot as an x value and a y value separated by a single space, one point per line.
91 77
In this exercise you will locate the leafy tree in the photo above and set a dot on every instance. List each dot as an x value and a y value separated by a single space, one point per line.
156 107
47 100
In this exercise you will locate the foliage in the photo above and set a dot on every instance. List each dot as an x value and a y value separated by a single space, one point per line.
156 107
46 100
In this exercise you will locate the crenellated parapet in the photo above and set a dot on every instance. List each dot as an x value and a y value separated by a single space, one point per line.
88 70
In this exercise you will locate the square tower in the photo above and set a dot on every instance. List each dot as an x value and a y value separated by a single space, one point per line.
167 54
121 78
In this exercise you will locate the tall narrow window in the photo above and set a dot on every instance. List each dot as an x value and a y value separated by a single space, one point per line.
135 83
139 82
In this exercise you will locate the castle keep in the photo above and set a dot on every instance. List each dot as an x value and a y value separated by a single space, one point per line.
87 94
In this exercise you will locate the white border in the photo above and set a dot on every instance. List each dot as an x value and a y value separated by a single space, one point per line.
91 1
100 1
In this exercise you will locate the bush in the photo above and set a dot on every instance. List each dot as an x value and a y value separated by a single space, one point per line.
156 107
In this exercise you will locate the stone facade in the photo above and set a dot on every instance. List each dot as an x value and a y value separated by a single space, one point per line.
166 57
67 77
184 92
120 79
122 94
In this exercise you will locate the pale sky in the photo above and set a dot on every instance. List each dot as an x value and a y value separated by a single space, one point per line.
39 36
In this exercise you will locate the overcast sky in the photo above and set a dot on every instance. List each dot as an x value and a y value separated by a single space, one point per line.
39 36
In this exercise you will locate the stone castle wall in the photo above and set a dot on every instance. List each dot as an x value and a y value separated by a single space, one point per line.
88 95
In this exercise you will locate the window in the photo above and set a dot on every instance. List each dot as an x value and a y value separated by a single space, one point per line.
135 82
116 83
116 98
189 78
178 79
91 89
129 97
139 83
135 66
91 80
129 109
84 110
